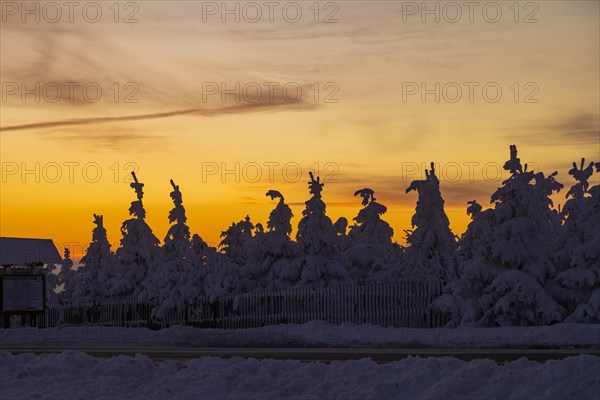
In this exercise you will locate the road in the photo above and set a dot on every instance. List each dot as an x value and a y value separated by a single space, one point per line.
316 354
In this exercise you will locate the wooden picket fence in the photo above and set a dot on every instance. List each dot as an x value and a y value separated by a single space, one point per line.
404 304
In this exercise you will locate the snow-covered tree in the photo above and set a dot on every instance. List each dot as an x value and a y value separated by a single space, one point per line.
505 261
177 241
138 251
272 251
170 282
372 251
341 226
431 251
52 282
321 262
212 273
203 257
225 270
460 301
221 277
477 231
370 227
202 251
237 241
97 263
67 277
578 254
280 218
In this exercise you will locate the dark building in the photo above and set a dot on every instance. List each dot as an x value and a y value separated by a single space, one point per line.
27 253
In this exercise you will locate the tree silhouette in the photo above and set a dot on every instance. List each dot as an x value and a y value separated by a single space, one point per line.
237 240
321 263
177 241
577 253
67 276
371 250
507 265
171 282
98 261
272 250
431 251
343 242
138 251
371 228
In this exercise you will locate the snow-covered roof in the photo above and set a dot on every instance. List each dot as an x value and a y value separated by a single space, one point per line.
22 251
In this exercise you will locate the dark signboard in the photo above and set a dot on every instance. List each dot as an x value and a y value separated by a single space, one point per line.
20 294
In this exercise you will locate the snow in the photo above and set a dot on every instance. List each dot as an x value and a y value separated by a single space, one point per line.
312 334
72 375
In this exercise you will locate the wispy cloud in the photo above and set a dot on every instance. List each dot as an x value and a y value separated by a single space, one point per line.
578 129
391 190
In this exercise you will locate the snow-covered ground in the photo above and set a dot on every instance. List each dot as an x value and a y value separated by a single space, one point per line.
312 334
73 375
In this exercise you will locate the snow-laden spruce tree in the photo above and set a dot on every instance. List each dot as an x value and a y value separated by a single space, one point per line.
431 251
138 251
94 272
223 273
460 300
219 276
202 251
273 250
67 277
341 226
477 231
177 241
505 259
371 251
578 254
52 282
320 263
237 241
370 228
171 280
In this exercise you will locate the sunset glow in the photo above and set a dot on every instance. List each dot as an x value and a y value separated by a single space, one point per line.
362 120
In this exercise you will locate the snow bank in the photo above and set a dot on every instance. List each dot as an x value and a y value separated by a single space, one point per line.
312 334
77 375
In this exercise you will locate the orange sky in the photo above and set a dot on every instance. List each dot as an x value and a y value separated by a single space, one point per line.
355 120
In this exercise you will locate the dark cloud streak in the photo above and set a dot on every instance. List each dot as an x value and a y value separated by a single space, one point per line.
206 112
